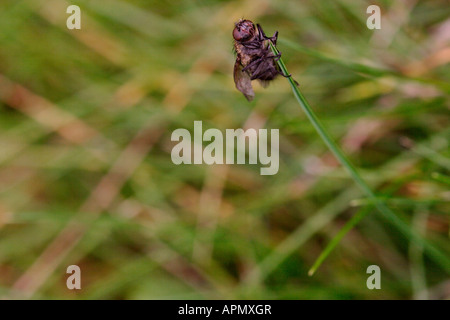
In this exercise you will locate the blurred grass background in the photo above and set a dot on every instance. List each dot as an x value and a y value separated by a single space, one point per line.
86 176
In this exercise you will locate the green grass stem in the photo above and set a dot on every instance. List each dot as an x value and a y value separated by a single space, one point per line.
434 253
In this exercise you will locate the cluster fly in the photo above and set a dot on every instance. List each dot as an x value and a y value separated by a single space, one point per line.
254 59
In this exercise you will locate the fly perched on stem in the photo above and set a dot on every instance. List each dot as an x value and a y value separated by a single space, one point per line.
254 59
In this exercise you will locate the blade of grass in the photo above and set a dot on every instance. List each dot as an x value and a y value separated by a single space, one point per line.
441 178
433 156
354 220
338 237
302 234
364 69
400 201
385 212
417 268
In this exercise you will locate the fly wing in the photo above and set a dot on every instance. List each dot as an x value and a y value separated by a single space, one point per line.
243 81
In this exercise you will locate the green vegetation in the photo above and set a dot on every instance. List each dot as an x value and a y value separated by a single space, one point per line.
86 176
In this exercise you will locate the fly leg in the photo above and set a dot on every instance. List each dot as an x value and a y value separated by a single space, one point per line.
274 38
252 63
275 58
259 71
287 76
278 57
263 36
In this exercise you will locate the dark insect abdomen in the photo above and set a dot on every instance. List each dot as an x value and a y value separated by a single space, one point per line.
255 60
261 66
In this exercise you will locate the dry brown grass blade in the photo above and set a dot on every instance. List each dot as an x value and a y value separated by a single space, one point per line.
91 34
100 199
45 112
